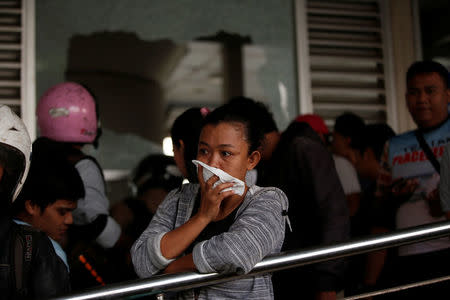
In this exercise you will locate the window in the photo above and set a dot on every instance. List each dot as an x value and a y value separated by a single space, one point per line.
343 57
17 59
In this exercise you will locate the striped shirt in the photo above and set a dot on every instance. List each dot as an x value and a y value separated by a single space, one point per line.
257 231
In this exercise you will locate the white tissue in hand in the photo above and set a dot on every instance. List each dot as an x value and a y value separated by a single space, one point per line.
208 172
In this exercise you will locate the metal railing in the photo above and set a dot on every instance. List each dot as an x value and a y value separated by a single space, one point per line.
285 260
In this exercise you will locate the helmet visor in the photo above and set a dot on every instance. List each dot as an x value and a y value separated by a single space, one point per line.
13 163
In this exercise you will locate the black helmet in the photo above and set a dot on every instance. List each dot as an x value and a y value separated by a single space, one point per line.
156 170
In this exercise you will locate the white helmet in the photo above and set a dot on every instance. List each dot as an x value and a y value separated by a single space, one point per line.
13 133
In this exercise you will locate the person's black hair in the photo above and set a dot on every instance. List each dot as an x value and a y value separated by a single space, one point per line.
50 178
13 162
297 129
156 170
375 137
235 112
427 66
351 125
257 110
187 128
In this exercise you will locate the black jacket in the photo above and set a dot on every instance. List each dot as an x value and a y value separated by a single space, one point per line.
47 273
304 169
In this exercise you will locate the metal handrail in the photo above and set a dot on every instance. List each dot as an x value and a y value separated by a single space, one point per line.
284 260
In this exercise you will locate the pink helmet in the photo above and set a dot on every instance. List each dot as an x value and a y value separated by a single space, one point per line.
66 113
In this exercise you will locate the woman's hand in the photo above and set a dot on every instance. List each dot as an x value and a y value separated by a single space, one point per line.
211 198
404 187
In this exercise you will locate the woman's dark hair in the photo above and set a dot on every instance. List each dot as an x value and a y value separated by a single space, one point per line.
187 128
257 110
51 177
235 112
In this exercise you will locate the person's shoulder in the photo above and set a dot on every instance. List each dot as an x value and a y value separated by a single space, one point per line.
185 192
189 188
88 167
402 136
338 159
270 193
34 240
303 145
342 162
87 161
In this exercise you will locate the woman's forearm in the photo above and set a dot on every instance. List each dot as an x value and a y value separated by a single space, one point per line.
183 264
176 241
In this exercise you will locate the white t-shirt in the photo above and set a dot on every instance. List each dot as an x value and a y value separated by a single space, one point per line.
347 175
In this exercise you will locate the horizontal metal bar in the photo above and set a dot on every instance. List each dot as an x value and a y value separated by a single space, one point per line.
371 53
340 43
10 10
342 62
344 36
10 47
340 20
10 29
340 76
285 260
344 13
344 92
8 101
10 65
342 6
350 106
344 27
9 83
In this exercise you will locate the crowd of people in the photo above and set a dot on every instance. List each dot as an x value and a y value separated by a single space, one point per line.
252 191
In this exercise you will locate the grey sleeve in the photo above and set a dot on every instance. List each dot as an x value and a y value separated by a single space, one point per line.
444 186
95 203
146 251
257 231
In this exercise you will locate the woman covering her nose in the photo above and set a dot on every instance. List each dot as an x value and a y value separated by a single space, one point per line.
216 225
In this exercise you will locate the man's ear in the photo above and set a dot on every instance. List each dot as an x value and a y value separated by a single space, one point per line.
369 154
253 160
181 144
448 95
348 140
32 209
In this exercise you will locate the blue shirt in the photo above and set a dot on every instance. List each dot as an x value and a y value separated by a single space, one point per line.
405 158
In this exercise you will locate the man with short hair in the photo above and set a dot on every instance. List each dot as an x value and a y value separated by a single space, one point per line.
348 136
29 266
407 187
48 198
